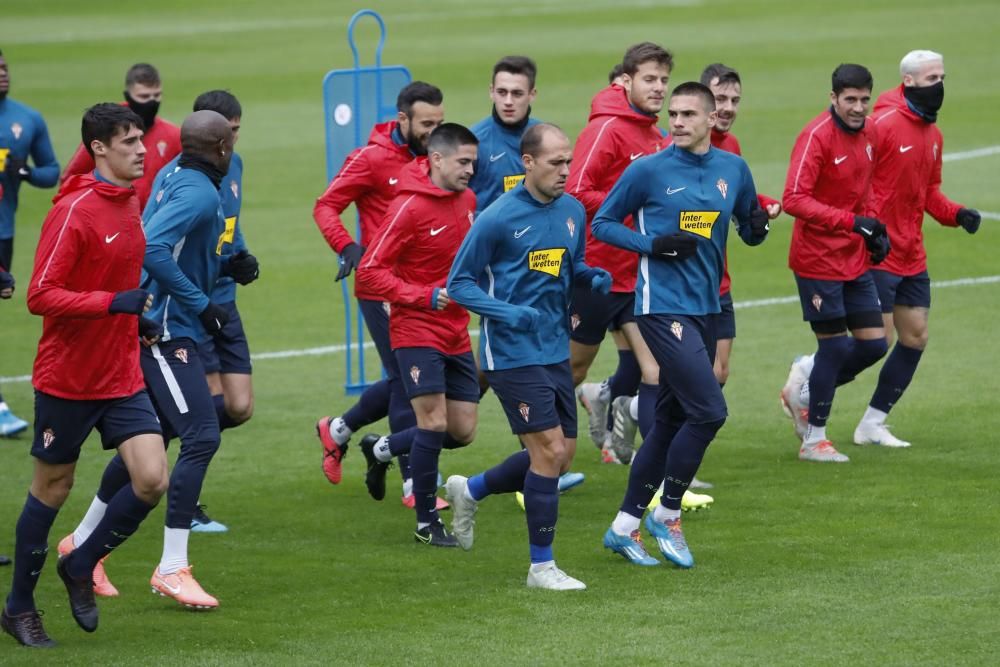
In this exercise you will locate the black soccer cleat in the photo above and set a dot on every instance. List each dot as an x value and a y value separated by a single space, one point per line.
435 535
375 476
26 628
81 596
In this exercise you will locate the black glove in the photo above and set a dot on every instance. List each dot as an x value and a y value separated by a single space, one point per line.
150 329
18 168
875 236
213 318
242 267
675 247
760 223
129 302
6 281
969 219
880 251
350 257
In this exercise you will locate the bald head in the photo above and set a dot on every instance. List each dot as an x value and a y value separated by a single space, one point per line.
546 152
207 134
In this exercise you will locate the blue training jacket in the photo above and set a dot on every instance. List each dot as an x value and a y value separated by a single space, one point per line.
520 255
498 165
677 191
23 134
186 233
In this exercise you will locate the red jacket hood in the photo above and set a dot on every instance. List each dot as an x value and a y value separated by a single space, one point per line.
894 99
382 135
78 182
414 178
613 101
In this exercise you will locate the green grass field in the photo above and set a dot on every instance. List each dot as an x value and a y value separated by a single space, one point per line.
891 559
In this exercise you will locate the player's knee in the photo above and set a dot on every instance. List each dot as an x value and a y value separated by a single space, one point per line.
239 408
915 339
53 489
459 439
150 484
873 349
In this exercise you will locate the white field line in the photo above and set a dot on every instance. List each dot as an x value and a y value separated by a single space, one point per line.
757 303
968 155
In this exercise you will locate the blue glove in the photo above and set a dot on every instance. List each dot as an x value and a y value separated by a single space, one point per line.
601 282
129 302
149 329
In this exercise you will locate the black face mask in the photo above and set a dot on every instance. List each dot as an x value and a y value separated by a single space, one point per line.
144 110
927 99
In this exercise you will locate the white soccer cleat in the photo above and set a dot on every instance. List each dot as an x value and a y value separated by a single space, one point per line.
869 433
821 452
595 399
552 578
791 399
463 511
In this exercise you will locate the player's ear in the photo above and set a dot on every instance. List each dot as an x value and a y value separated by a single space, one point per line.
98 147
528 161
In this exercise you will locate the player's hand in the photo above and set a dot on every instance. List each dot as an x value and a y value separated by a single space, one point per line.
243 267
773 210
675 247
441 299
880 251
131 302
759 223
875 235
17 168
213 318
969 219
6 284
601 282
526 318
350 257
149 331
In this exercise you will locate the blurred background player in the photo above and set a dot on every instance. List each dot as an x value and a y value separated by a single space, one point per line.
516 269
162 139
834 244
368 179
906 183
407 265
23 135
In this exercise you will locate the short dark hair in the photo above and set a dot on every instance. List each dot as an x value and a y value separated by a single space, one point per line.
220 101
517 65
447 137
725 75
418 91
531 140
143 73
644 52
849 75
696 89
103 121
615 72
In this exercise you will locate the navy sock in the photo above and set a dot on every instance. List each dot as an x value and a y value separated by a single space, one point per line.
625 381
400 444
372 405
829 359
124 514
424 467
114 478
686 452
647 468
647 407
225 421
895 376
401 417
506 477
30 549
541 509
864 353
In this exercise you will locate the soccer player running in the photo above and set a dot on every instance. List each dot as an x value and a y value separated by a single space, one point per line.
834 244
622 128
517 268
85 285
162 139
682 200
407 265
23 135
369 179
907 182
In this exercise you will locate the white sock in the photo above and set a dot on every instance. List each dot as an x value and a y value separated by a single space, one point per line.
339 431
175 550
3 406
624 524
538 567
814 435
468 494
661 514
381 450
422 524
873 416
633 408
90 521
804 394
408 486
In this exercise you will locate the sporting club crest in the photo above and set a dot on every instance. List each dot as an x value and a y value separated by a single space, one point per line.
161 146
868 149
525 411
415 374
182 354
817 302
574 321
723 187
677 329
48 437
159 196
16 130
571 225
386 307
235 187
935 151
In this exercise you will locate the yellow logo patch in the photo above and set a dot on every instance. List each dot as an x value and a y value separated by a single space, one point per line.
5 151
227 235
699 222
546 261
510 182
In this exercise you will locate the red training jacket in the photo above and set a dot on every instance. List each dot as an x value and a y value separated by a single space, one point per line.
907 182
91 246
827 185
615 135
163 144
411 256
